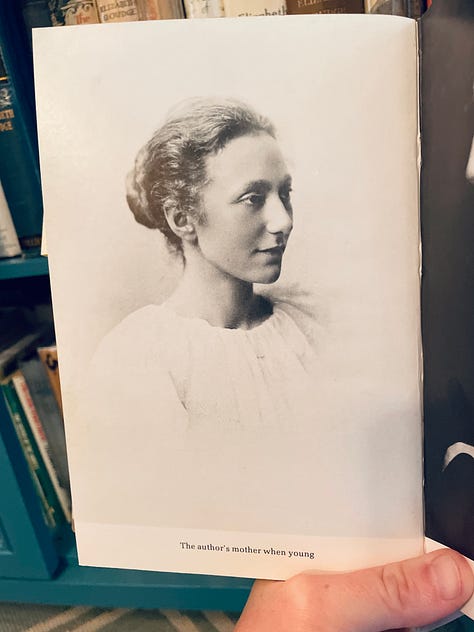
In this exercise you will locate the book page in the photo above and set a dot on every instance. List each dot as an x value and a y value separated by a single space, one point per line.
240 355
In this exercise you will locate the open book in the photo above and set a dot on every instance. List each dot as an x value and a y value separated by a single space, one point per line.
241 343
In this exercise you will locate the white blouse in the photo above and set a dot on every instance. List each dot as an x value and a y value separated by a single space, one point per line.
194 425
214 376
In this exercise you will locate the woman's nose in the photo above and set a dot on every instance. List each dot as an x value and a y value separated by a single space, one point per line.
278 216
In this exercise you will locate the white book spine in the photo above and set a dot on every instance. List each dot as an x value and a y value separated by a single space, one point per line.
204 8
243 8
9 244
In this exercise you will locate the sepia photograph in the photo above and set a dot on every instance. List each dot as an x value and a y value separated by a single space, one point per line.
233 237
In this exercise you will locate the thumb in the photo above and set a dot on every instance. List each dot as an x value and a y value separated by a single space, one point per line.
404 594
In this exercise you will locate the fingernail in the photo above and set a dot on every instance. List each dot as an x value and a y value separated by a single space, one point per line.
446 576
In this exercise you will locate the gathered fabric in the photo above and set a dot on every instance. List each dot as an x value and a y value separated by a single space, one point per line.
222 411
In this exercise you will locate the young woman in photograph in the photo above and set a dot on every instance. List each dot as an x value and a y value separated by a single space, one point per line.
214 181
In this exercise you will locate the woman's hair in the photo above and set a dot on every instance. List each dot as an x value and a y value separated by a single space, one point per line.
170 170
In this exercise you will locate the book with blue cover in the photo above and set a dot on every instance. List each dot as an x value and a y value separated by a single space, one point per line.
19 161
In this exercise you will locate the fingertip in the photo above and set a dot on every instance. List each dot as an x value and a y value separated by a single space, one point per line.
451 576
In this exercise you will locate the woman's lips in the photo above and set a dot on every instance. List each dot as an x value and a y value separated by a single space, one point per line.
273 250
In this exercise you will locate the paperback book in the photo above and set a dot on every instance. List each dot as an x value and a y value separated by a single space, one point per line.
235 248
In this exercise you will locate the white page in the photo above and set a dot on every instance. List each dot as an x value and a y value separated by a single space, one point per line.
340 479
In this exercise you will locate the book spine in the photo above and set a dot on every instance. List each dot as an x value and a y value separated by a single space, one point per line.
73 12
37 430
171 9
48 411
324 6
415 9
387 7
35 14
37 474
204 8
49 357
148 10
9 244
19 163
244 8
117 10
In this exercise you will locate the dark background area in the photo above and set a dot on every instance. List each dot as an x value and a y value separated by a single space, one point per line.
447 215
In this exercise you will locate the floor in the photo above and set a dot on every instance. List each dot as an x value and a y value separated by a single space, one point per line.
37 618
43 618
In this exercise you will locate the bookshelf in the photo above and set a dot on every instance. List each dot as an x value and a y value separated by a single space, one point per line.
23 267
36 567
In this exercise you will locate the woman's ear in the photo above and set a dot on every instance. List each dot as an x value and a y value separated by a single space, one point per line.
181 223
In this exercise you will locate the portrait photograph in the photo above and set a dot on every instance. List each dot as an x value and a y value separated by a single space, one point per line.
232 227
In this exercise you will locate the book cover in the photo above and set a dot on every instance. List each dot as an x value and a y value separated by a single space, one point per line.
246 412
19 167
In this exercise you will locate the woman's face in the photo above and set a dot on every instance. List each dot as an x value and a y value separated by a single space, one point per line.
246 209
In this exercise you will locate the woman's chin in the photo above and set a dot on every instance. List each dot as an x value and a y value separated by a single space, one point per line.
268 276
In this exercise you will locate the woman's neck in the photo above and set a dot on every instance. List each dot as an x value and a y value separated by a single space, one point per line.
211 294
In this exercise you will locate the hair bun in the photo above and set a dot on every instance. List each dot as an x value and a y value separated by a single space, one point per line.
137 196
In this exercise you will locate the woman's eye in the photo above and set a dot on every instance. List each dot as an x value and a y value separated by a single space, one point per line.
285 196
254 200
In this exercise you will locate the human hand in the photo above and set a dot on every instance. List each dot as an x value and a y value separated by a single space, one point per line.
401 595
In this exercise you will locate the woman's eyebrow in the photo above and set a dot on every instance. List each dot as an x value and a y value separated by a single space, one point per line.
264 185
257 185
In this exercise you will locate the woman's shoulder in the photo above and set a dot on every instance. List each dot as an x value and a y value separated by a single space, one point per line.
144 333
130 366
147 323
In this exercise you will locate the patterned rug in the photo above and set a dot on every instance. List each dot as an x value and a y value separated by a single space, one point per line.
36 618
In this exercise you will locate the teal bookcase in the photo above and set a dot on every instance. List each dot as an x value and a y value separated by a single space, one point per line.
26 546
37 567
